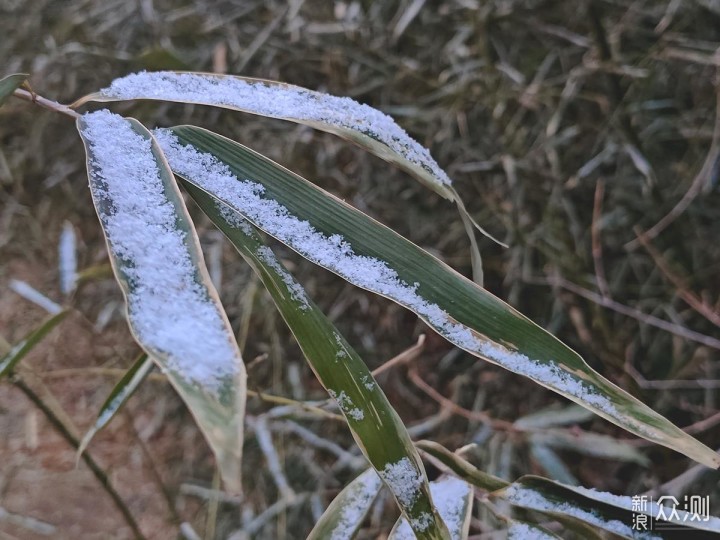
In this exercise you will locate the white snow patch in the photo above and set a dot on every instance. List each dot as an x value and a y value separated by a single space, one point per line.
529 498
653 509
404 480
297 293
277 101
336 254
67 259
449 496
356 506
523 531
171 312
33 295
346 405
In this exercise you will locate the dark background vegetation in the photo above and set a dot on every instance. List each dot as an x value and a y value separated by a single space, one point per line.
568 128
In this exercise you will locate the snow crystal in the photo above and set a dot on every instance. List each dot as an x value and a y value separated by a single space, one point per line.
653 509
355 508
297 293
523 531
336 254
404 480
346 405
448 495
277 101
170 311
531 499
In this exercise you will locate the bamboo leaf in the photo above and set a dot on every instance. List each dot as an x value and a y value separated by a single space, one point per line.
344 517
11 83
340 238
25 345
375 425
454 500
119 395
613 513
173 309
363 125
462 468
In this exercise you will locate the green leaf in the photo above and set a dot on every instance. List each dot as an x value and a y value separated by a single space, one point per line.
454 500
462 468
119 395
613 513
345 515
378 430
333 234
367 127
173 309
9 84
26 344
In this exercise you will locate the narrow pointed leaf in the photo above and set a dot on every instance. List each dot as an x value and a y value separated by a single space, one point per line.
119 395
554 416
345 515
613 513
173 309
365 126
378 430
9 84
454 500
26 344
461 467
336 236
361 124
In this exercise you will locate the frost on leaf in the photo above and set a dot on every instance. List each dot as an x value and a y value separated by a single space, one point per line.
170 309
278 101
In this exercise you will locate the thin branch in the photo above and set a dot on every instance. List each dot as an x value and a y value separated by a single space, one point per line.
45 103
597 241
89 461
685 293
452 406
407 355
636 314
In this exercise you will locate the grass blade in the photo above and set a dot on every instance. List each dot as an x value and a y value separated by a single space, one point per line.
340 238
375 425
26 344
345 515
9 84
173 309
119 395
454 499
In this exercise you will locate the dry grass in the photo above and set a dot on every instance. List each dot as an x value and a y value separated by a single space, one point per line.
568 129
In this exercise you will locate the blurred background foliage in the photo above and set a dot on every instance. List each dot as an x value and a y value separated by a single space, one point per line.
568 128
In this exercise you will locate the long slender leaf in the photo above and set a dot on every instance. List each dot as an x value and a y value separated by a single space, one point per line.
454 499
26 344
338 237
375 425
119 395
590 444
361 124
9 84
344 517
462 468
173 309
613 513
520 530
